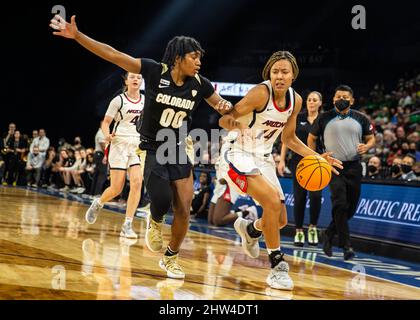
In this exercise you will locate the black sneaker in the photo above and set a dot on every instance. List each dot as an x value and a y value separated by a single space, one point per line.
348 254
326 244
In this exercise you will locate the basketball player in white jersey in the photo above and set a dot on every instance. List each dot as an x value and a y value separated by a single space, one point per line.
125 109
267 110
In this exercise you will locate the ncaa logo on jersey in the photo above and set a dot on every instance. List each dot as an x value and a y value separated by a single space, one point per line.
194 93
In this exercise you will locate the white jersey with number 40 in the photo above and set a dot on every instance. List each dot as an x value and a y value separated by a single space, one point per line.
266 125
126 113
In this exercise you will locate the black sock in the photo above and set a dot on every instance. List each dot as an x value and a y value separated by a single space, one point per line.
245 213
169 252
253 233
275 258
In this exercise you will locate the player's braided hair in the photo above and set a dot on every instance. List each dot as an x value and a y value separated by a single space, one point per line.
280 55
180 46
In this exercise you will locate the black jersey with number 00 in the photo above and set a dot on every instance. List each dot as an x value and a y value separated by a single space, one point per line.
166 104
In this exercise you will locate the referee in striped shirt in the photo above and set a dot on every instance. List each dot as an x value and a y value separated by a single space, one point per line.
347 134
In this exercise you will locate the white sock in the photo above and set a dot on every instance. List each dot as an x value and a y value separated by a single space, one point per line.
128 219
239 214
100 203
272 250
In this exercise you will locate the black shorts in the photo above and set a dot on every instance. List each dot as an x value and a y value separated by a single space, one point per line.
169 172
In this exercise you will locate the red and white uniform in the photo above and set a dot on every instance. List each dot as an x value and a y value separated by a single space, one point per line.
222 168
125 112
250 152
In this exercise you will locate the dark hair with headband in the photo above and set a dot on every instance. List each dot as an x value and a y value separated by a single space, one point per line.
180 46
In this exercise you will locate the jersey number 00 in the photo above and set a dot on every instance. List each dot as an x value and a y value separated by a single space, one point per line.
170 118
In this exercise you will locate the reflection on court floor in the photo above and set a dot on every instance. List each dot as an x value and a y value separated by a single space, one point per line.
48 251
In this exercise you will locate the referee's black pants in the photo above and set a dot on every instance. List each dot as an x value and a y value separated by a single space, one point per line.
100 174
345 193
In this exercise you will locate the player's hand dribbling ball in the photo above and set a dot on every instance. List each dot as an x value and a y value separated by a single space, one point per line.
313 173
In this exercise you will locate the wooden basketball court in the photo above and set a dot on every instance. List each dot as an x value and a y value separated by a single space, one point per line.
48 251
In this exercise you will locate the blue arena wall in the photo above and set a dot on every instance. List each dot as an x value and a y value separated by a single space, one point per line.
384 212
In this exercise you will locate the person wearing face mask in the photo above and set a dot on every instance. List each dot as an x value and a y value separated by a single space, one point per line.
407 169
348 134
374 168
396 168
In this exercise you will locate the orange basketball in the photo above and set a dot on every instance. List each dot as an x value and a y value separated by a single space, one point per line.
313 173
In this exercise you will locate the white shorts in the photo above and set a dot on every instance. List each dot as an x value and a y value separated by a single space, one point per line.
122 153
220 190
242 164
222 169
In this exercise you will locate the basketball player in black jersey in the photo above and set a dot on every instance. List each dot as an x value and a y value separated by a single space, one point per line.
173 90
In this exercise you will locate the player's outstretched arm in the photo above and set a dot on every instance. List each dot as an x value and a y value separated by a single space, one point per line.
106 52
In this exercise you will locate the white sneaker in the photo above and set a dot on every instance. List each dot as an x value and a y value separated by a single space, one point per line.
80 190
153 238
93 211
250 245
127 231
279 278
171 266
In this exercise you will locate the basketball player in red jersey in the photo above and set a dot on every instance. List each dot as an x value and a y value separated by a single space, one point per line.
267 110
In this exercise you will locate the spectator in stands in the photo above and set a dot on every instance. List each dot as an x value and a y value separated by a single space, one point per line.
407 169
42 142
59 161
77 170
16 149
5 142
35 135
200 202
400 135
100 175
405 148
414 150
394 153
34 167
66 168
77 143
396 168
416 170
87 176
374 169
10 133
63 144
47 173
389 138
